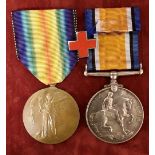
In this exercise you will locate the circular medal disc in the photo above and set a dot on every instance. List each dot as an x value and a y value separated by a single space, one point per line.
114 117
51 115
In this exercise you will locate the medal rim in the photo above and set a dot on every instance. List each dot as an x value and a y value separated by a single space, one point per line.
87 120
39 140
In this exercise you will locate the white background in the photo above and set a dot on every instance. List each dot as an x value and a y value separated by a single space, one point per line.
3 77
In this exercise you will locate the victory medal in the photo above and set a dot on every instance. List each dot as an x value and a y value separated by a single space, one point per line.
50 115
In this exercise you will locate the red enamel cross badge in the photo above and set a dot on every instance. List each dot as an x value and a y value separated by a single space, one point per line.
82 44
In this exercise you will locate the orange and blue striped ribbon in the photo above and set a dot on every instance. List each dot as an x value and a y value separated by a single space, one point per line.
116 31
41 38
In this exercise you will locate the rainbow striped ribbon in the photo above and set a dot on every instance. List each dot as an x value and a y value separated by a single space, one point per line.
116 31
41 38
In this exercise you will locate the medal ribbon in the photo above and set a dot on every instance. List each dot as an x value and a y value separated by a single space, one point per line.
41 38
116 32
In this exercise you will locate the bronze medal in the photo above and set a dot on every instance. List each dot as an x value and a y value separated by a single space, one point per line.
51 115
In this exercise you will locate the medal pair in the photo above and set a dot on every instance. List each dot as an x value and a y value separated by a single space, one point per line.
46 44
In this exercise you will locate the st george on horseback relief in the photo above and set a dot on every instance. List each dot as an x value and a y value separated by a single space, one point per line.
114 116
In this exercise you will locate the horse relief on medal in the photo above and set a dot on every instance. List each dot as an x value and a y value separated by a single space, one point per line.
114 116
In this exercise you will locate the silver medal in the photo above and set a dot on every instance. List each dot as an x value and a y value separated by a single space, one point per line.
114 114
